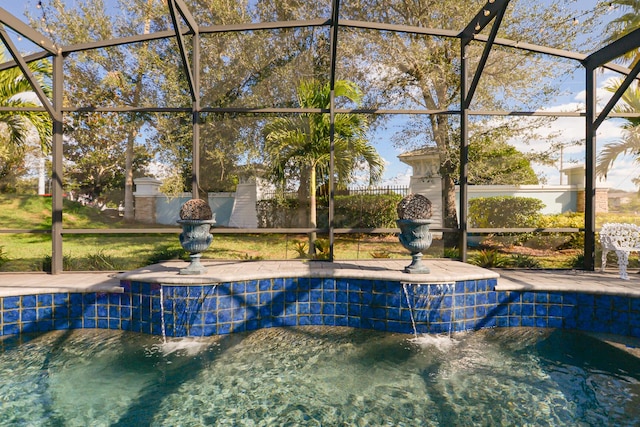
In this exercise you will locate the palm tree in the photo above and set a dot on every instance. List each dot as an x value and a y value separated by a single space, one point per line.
299 147
16 126
630 142
624 24
16 92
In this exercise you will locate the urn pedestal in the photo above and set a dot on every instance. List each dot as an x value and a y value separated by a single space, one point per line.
195 239
416 238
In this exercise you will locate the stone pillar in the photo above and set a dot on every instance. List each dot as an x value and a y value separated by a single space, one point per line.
147 189
243 214
426 179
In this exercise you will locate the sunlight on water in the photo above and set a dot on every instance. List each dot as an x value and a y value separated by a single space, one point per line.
440 342
318 376
187 346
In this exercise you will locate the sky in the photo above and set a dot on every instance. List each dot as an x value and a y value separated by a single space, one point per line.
568 129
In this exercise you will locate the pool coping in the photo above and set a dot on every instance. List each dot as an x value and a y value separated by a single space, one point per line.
219 271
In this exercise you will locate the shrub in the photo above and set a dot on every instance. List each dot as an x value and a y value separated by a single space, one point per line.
68 263
452 253
277 213
301 248
523 261
322 249
488 258
560 240
361 211
98 261
577 261
4 258
353 211
504 212
167 253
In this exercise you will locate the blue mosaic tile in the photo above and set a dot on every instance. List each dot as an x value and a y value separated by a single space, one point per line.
555 310
541 322
481 311
541 297
277 284
555 298
393 314
315 295
238 288
28 315
541 310
470 286
44 300
515 309
28 301
328 321
277 308
356 303
250 300
10 316
9 303
328 296
366 298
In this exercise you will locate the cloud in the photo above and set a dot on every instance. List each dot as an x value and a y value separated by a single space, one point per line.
400 179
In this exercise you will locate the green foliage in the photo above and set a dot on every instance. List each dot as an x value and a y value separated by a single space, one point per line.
322 249
559 240
523 261
166 253
4 258
494 162
363 211
68 263
577 261
98 261
504 212
301 249
489 258
452 253
277 213
353 211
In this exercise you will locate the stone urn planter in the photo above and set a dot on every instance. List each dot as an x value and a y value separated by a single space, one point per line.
196 220
414 213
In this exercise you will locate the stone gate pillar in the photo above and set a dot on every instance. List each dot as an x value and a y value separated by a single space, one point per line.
147 190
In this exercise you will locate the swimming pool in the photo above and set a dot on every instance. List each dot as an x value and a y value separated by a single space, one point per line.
307 376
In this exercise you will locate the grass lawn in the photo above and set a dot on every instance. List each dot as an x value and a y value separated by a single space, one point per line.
32 252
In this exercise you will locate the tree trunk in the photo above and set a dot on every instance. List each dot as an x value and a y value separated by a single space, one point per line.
448 172
303 200
312 210
129 213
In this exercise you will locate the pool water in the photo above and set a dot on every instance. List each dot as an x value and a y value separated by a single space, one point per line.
312 376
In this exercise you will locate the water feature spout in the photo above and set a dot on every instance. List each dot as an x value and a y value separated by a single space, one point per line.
413 320
427 304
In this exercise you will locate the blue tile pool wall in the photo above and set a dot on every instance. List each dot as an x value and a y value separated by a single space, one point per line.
204 310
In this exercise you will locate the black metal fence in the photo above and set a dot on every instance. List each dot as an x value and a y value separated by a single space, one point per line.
403 190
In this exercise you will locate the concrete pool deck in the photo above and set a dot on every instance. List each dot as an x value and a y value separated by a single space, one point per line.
442 271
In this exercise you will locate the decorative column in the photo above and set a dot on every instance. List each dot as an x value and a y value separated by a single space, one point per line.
147 190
